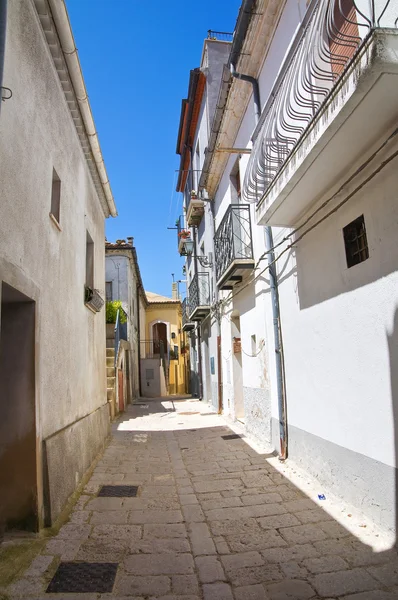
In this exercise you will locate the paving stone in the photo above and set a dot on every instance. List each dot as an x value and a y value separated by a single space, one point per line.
115 517
217 591
245 512
277 521
26 587
343 582
325 564
159 564
117 532
302 534
250 592
221 503
173 597
295 506
157 491
155 516
136 585
236 527
39 565
185 584
253 575
104 504
64 548
293 570
186 499
366 556
209 569
255 540
297 553
175 530
217 485
315 515
193 513
272 498
157 546
290 589
200 539
386 574
102 550
74 531
188 489
373 595
243 559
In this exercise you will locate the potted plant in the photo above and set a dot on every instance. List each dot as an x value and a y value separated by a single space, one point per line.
194 195
184 234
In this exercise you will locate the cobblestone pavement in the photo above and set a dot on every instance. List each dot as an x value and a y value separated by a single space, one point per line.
213 519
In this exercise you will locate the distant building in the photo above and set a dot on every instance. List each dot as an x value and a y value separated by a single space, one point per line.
164 351
123 283
55 196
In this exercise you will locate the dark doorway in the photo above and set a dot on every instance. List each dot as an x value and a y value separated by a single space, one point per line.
160 338
18 476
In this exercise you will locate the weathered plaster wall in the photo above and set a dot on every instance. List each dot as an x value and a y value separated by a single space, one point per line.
38 135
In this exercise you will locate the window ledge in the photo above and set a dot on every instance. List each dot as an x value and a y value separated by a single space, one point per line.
54 220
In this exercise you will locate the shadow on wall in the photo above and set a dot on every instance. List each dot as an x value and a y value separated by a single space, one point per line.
393 354
321 256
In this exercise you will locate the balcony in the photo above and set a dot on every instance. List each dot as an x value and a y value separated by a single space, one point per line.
199 297
195 211
187 324
182 236
233 247
334 99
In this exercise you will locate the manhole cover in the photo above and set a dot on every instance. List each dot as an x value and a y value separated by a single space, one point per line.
120 491
188 413
232 436
83 577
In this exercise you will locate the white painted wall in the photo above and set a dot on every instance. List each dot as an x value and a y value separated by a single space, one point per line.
48 265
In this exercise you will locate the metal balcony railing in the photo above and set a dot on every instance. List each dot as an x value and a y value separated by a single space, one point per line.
331 36
221 36
199 292
152 349
233 239
185 317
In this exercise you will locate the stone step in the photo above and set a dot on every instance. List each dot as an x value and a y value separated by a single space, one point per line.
110 370
110 394
110 352
110 361
110 382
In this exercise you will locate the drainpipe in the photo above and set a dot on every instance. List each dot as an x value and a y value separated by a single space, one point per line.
218 319
198 329
3 29
273 278
139 342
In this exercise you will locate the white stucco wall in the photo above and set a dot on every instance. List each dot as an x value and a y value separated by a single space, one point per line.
48 265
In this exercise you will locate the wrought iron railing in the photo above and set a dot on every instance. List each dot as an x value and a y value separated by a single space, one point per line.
221 36
199 292
185 316
233 239
152 349
120 330
332 34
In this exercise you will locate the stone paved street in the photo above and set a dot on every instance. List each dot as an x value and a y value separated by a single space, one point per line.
213 519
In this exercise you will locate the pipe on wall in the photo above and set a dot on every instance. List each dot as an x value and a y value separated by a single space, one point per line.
240 33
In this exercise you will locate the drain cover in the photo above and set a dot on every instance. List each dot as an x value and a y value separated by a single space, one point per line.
119 491
83 577
232 436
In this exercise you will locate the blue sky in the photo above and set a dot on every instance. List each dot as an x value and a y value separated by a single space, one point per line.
136 58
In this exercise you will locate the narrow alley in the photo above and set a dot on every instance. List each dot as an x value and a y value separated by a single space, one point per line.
212 518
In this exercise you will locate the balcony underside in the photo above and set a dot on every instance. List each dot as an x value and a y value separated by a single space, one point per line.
189 326
199 313
236 272
361 109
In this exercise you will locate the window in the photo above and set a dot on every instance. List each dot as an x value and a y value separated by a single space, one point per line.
108 291
355 241
55 196
89 261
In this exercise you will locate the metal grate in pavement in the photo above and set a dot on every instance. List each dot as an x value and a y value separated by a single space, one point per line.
83 577
119 491
232 436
